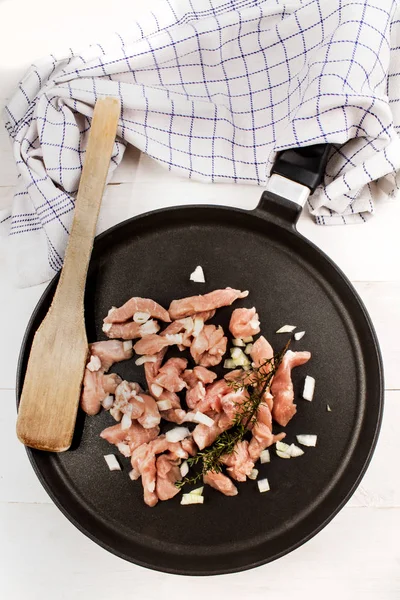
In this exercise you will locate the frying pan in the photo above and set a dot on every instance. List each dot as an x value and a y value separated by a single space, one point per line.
290 281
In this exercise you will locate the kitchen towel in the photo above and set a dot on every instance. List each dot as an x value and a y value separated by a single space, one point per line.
212 89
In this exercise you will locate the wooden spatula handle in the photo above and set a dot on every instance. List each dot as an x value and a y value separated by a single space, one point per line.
71 287
53 379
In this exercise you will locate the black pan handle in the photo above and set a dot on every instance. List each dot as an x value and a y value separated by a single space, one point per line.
303 165
296 174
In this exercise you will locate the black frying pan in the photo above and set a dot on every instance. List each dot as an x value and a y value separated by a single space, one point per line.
290 281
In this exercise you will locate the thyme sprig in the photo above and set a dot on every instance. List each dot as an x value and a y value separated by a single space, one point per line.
255 382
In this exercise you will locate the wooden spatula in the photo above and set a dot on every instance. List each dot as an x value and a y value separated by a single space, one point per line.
50 396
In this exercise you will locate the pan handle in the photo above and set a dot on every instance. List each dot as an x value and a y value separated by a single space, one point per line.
296 174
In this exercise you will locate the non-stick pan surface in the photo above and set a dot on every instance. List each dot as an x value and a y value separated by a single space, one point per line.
290 281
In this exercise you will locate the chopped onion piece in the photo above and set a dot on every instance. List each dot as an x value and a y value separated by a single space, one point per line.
163 404
111 310
127 345
328 408
307 439
184 468
254 474
299 335
94 363
248 349
192 499
198 325
107 402
126 421
263 485
134 474
106 327
247 340
156 390
116 413
176 338
198 275
197 491
309 386
286 329
188 324
265 457
149 327
295 451
145 359
282 446
177 434
238 342
283 454
141 317
236 352
112 462
124 449
229 364
200 417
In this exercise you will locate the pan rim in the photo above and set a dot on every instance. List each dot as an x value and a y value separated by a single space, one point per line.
349 489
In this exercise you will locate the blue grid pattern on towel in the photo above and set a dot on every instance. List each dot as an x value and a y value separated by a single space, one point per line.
213 92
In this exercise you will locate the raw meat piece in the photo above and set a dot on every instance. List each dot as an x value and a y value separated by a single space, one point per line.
129 330
186 307
262 436
151 416
209 346
282 386
244 323
153 343
168 473
135 436
204 436
170 375
239 462
127 310
220 482
110 352
96 387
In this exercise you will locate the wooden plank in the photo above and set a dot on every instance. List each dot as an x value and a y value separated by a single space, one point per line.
355 556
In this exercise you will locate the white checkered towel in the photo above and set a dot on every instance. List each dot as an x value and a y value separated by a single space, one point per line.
212 89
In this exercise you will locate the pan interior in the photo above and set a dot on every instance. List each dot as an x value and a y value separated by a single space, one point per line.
290 282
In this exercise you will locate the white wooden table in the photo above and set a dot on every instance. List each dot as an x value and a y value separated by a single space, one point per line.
42 556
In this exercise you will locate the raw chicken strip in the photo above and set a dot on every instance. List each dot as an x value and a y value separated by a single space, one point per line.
244 323
168 473
143 461
262 436
96 387
135 436
282 386
261 352
151 416
189 446
204 435
153 344
127 400
209 346
220 482
186 307
175 414
231 402
127 310
196 380
183 326
192 376
110 352
128 331
214 394
205 315
170 375
239 462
